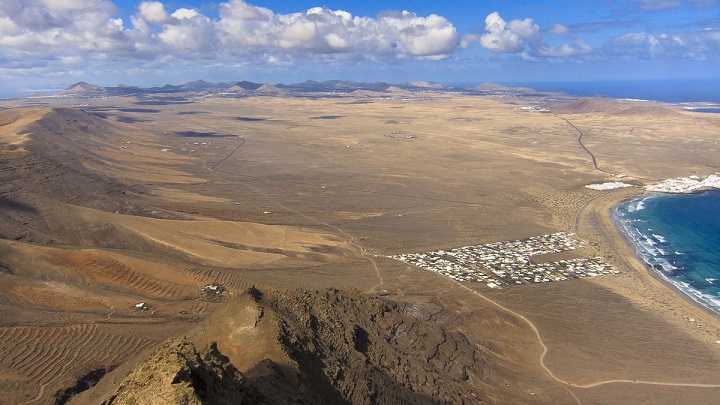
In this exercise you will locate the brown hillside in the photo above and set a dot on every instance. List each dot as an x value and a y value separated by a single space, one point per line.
321 347
590 105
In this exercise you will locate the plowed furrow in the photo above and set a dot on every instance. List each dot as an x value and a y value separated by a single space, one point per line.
28 357
229 281
23 355
47 348
173 291
123 275
45 371
117 347
199 307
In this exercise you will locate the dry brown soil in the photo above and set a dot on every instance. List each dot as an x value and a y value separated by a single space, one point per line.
130 200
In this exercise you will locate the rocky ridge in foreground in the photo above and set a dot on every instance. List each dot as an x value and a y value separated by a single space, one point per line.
340 347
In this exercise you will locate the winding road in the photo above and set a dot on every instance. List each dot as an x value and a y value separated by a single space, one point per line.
352 241
582 145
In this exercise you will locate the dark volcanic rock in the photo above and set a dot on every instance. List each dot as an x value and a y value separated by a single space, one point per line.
353 348
342 347
178 374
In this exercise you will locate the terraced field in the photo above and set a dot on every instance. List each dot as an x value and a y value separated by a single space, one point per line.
228 281
52 358
114 274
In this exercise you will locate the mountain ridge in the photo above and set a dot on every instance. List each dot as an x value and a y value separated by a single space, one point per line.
308 87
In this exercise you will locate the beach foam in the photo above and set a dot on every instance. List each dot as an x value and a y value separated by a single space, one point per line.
676 237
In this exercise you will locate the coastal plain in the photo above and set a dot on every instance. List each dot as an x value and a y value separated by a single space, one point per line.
113 201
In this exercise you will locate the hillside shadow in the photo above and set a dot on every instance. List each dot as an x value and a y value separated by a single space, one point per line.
194 134
139 110
10 204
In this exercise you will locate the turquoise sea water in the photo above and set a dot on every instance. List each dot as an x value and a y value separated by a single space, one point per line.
678 235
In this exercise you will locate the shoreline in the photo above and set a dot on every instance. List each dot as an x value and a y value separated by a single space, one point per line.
655 274
637 281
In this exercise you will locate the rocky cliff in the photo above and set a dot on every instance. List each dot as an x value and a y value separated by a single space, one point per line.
178 374
338 347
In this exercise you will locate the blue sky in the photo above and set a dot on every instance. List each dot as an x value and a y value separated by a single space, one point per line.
50 44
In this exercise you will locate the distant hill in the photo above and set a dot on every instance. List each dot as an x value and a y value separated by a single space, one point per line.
609 106
170 87
309 88
244 86
82 88
590 104
422 84
269 89
202 85
397 91
487 86
334 86
366 93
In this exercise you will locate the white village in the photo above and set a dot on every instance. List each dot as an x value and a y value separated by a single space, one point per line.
507 263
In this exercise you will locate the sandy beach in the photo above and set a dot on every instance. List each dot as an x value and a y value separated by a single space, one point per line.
652 290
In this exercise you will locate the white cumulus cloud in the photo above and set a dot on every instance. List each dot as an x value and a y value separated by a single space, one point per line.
502 36
559 29
525 38
698 45
154 12
241 33
246 28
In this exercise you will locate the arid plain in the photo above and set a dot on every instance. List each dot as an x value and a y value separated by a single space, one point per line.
109 202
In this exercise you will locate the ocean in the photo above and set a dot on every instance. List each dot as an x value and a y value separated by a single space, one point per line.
665 90
678 236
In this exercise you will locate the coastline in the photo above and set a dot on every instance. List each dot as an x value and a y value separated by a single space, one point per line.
637 255
638 282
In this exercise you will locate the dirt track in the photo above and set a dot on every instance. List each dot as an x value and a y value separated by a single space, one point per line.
156 210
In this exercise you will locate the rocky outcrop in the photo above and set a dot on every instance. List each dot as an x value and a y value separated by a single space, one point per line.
178 374
340 347
354 348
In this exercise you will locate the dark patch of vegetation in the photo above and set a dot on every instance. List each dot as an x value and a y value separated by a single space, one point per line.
194 134
120 118
465 119
158 102
139 110
358 102
129 120
327 117
98 108
163 101
250 119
